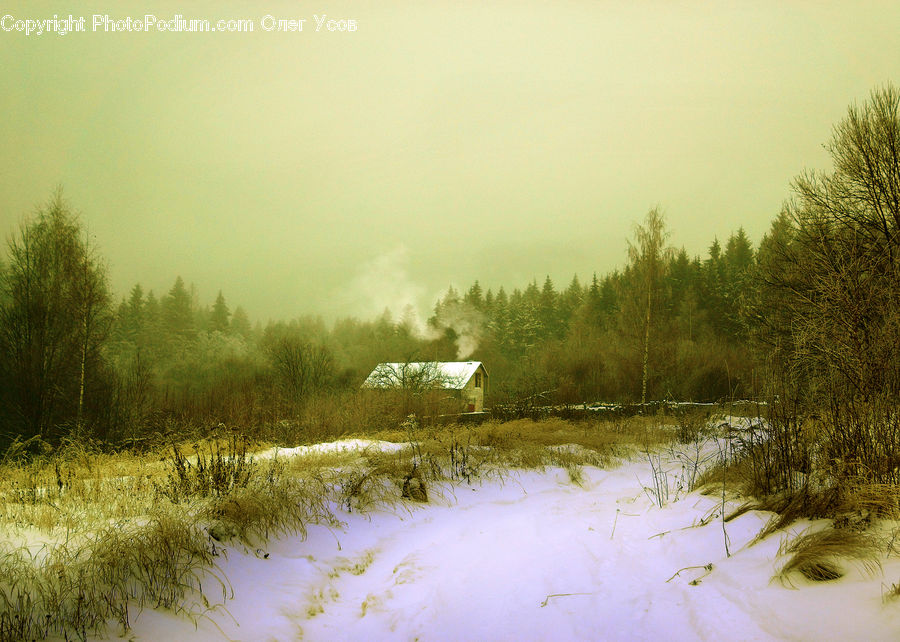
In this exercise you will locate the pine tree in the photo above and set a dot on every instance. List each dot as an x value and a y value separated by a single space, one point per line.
176 309
474 297
609 295
152 312
532 294
240 324
775 284
489 301
684 275
570 301
133 319
526 328
713 288
498 325
737 263
219 318
548 311
443 306
593 300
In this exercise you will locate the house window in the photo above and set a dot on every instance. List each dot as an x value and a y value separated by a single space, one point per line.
477 379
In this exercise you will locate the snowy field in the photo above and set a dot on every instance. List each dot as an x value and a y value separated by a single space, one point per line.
536 557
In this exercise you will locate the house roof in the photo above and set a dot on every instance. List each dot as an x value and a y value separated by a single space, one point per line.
452 375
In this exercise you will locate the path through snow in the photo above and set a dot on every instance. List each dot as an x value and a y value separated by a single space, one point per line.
536 557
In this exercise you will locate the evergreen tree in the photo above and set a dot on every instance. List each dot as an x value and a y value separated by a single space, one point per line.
219 318
526 329
152 311
532 294
548 311
609 296
176 310
131 317
684 275
681 275
240 324
498 324
738 253
570 301
489 301
713 288
737 263
593 301
117 332
775 284
474 297
449 301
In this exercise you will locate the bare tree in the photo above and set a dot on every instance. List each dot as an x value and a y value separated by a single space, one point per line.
419 385
840 261
830 288
649 257
91 307
54 317
302 367
416 376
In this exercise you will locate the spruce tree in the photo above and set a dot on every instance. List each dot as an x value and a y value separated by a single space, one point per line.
176 309
240 324
219 318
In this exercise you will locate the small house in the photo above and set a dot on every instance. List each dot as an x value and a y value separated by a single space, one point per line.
466 380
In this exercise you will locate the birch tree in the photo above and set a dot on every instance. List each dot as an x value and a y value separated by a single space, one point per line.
54 317
649 257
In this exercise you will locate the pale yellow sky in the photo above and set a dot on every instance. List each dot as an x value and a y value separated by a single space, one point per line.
442 142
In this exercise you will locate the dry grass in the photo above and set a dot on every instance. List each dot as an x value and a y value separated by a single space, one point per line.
123 532
528 443
75 589
818 556
850 506
890 592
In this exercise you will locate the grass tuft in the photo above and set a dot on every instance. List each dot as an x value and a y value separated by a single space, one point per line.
818 555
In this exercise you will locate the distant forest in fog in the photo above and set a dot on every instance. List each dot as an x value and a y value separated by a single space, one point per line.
156 362
581 342
807 316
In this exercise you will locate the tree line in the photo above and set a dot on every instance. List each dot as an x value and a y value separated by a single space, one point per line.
809 313
73 359
667 325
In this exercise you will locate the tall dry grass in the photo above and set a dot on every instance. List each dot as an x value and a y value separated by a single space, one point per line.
820 556
95 537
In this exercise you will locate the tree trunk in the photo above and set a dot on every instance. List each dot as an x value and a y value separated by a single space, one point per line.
84 347
646 349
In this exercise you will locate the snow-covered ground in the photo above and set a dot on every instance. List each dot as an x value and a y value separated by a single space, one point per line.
536 557
342 446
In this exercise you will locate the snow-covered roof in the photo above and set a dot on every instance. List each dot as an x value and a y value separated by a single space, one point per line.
452 375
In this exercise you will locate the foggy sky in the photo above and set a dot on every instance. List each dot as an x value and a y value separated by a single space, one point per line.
444 141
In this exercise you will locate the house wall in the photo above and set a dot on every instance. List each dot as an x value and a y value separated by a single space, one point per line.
434 400
473 395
